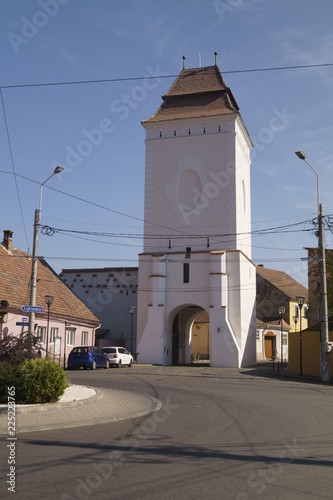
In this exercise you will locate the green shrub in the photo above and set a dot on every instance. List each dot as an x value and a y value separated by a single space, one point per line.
10 376
40 380
43 380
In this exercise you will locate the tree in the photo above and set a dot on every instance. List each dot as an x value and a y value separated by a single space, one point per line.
18 349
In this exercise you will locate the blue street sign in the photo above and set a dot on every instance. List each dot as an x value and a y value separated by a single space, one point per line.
35 309
22 323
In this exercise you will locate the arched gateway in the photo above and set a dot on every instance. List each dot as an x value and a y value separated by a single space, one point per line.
197 233
182 331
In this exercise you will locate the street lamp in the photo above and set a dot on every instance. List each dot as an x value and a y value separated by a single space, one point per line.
300 302
281 312
34 258
324 339
48 300
132 310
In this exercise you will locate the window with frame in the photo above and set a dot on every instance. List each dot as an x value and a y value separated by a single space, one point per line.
257 335
284 339
41 334
70 337
53 334
84 338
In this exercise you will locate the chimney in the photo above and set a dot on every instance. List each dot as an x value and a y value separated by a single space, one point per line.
8 239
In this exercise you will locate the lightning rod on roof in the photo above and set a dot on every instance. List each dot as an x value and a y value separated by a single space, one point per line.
184 62
215 54
199 60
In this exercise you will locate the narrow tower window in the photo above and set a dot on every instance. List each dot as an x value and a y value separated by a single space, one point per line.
186 273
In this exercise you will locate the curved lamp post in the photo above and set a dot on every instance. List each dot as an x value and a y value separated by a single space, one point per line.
300 302
281 312
34 257
132 310
324 339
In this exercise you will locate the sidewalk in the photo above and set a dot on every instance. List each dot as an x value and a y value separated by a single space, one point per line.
79 406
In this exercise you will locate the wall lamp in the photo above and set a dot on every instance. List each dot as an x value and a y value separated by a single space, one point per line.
188 253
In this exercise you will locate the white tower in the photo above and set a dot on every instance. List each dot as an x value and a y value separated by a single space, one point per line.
197 233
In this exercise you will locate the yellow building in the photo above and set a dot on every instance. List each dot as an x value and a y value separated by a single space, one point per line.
304 352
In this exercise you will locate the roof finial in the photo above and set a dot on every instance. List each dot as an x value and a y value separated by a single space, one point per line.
199 60
215 54
184 62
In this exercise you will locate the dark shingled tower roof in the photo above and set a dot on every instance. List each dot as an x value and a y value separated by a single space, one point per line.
199 92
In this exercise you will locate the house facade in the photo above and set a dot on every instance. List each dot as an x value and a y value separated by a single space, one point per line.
110 293
276 290
67 322
314 273
272 340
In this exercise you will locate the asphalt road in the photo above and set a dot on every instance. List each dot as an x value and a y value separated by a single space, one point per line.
216 438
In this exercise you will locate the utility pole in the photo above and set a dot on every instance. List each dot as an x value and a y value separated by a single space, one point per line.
324 337
325 345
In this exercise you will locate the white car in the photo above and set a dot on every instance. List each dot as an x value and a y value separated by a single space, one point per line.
118 356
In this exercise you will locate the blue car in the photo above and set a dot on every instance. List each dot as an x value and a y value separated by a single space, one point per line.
87 357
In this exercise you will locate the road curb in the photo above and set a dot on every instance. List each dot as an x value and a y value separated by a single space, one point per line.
57 405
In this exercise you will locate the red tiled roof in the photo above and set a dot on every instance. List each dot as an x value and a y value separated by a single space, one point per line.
283 282
276 323
15 274
198 92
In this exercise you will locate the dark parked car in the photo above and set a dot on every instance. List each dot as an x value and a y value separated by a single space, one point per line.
87 357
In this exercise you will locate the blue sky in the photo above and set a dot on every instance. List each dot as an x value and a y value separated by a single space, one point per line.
101 188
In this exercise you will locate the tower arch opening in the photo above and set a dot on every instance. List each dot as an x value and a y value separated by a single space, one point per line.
189 333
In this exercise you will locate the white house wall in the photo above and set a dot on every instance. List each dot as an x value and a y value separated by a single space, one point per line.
108 292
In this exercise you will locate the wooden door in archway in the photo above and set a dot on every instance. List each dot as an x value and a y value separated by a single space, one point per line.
270 345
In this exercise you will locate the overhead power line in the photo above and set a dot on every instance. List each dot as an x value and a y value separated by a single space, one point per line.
48 230
135 78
